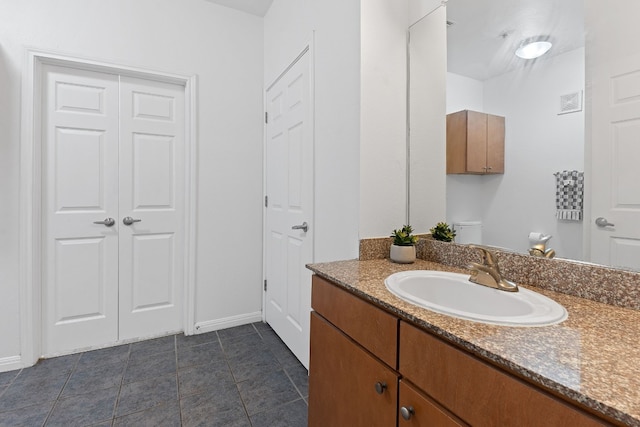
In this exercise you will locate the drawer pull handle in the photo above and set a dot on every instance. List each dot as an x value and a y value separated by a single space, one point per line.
407 412
381 387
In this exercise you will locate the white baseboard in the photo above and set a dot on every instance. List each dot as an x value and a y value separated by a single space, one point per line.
10 363
227 322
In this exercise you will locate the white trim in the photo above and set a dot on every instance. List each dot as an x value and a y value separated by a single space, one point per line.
10 363
31 189
228 322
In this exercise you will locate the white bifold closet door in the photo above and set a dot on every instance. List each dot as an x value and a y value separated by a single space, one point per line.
113 152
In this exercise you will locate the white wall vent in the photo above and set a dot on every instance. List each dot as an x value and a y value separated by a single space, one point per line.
571 102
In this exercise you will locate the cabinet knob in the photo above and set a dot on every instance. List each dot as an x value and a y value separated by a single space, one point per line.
407 412
381 387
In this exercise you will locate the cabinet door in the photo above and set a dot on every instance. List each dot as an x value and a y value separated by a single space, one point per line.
342 382
476 142
477 392
495 144
417 410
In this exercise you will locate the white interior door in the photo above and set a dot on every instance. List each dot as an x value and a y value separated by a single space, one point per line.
289 225
113 149
151 179
615 140
80 178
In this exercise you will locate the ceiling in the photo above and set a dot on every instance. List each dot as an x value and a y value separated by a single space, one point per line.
254 7
482 41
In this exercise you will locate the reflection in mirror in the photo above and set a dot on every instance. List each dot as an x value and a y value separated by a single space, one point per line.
544 135
484 74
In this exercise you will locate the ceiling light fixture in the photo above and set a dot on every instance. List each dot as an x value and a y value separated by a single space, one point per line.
533 48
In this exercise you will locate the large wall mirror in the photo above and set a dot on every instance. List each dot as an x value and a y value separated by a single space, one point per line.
576 108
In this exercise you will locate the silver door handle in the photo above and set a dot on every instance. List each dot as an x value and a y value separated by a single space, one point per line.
127 220
107 222
602 222
304 227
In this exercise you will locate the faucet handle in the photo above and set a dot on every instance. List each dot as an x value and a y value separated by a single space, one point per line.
490 257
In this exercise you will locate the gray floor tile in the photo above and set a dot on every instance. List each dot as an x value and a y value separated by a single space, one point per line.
150 367
34 391
236 332
202 377
282 353
220 408
104 356
262 326
149 347
292 414
200 355
89 378
184 341
300 378
48 368
220 379
8 377
86 409
29 416
138 396
253 364
267 392
237 345
165 415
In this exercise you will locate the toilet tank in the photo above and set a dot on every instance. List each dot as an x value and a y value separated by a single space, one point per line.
468 232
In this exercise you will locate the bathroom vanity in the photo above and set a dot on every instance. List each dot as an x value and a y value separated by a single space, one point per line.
377 360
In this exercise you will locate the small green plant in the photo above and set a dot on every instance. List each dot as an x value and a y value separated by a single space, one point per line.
442 232
403 237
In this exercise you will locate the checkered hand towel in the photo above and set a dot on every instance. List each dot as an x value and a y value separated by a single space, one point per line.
569 195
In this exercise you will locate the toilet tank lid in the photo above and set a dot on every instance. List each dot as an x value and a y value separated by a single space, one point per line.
467 223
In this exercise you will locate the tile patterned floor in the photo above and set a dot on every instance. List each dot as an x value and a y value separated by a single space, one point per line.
242 376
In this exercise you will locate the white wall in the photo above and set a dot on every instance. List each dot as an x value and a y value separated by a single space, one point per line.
224 48
538 142
383 117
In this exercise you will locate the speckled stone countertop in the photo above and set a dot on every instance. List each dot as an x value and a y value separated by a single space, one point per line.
592 358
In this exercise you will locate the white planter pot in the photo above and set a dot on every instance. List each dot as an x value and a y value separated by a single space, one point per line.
403 254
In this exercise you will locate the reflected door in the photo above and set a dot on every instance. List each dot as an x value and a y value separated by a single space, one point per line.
112 149
615 140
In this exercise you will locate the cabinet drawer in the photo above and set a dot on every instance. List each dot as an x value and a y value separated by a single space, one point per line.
424 411
342 382
373 328
477 392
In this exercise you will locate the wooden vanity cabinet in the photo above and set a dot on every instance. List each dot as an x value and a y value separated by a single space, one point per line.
476 391
352 377
475 143
347 385
369 368
418 410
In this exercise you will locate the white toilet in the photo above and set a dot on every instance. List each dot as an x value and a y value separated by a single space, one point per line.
468 232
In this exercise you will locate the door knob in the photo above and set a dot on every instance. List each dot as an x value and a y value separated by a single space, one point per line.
108 222
127 220
602 222
304 227
407 412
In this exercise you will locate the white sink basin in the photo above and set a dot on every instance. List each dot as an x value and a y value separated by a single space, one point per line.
454 295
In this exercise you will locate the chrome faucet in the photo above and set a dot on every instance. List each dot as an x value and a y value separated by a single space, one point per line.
488 273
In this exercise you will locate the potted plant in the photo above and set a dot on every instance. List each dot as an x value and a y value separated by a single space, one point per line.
403 249
443 232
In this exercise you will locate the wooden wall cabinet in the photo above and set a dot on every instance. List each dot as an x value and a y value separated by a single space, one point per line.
475 143
369 368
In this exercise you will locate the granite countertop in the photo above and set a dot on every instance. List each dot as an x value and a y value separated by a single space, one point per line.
592 358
